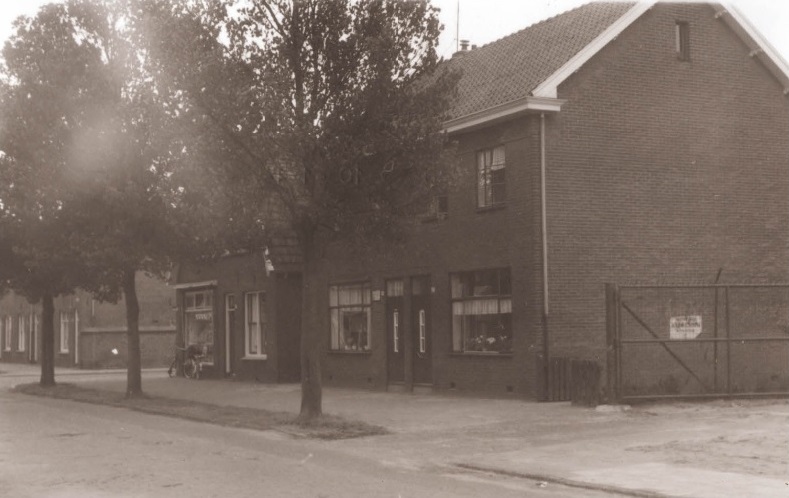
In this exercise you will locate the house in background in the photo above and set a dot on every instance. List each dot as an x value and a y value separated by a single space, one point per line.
616 142
90 334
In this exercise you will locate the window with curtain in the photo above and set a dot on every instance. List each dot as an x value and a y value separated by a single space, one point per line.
491 186
21 334
66 319
349 309
255 331
482 311
7 323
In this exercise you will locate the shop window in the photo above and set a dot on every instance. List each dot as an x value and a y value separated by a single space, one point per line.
21 334
199 322
7 326
349 307
482 311
66 320
491 186
255 332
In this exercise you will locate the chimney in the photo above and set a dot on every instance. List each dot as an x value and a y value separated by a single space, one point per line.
463 48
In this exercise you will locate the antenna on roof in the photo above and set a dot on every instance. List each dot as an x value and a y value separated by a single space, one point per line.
457 29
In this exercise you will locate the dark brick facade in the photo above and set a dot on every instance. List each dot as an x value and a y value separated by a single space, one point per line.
658 169
236 276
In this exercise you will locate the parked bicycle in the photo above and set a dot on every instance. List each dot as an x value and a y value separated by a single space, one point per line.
192 365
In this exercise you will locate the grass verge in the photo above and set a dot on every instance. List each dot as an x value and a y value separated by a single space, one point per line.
328 427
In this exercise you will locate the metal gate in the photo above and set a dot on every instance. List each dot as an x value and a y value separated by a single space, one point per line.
683 341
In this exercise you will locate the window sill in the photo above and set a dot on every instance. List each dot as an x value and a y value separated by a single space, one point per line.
494 207
254 358
481 354
350 352
63 352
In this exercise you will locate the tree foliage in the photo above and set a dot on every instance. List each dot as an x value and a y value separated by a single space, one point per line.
88 199
320 118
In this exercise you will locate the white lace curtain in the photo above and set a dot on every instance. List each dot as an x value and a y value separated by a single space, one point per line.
482 307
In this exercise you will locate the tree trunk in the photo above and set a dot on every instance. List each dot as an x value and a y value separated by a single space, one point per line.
47 341
311 391
133 363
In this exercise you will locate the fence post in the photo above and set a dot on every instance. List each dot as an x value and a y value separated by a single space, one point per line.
611 301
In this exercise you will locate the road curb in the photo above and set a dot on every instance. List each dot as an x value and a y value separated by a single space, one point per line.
566 482
66 373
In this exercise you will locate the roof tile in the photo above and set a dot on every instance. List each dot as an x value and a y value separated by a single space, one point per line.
510 68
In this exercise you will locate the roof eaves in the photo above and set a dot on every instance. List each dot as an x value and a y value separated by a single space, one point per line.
759 45
501 112
548 88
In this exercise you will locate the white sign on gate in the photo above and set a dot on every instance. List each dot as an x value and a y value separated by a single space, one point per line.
684 327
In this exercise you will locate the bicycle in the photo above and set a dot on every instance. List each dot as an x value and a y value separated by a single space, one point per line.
192 365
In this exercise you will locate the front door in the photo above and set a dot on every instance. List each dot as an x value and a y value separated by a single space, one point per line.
394 331
420 329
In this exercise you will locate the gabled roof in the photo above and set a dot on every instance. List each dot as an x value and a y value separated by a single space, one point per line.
509 69
521 72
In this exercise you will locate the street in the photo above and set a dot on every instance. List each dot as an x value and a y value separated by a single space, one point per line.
53 448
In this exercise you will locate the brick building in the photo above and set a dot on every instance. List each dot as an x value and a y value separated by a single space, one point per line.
87 331
244 314
614 142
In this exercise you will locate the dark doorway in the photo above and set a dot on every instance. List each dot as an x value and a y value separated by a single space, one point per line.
421 330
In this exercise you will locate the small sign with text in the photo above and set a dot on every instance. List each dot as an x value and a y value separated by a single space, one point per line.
685 327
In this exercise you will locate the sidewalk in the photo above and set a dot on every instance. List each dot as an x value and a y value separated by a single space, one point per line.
714 449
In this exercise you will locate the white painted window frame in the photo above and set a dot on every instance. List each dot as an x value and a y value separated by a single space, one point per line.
259 298
65 323
21 334
7 332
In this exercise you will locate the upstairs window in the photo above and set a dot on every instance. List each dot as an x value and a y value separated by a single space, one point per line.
683 40
491 186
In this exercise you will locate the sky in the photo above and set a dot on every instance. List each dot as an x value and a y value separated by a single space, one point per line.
483 21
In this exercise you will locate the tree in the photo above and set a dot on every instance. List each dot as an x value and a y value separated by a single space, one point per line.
328 115
115 199
46 80
125 203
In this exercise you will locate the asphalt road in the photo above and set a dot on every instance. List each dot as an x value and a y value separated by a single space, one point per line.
55 448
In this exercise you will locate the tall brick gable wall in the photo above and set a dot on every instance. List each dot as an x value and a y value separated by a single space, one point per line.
664 170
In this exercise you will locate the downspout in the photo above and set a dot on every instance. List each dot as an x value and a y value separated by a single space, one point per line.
545 301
